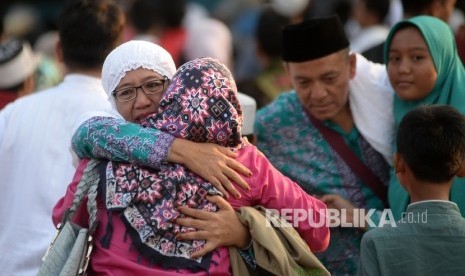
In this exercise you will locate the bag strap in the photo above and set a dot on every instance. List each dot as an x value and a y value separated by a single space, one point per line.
87 186
364 173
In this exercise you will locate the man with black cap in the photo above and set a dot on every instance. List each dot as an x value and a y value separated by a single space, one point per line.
18 65
311 136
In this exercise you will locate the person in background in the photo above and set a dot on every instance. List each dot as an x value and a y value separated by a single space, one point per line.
457 23
50 71
424 68
22 21
291 133
159 22
18 65
430 238
35 133
208 37
26 22
168 22
140 17
370 16
441 9
272 78
249 108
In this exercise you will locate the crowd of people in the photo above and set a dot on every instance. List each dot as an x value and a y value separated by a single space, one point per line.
360 114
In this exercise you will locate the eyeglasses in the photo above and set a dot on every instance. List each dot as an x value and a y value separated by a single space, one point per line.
149 88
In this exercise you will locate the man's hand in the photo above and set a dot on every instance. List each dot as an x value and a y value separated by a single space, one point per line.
214 163
222 228
334 201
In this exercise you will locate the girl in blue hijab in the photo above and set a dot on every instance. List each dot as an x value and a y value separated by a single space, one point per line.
424 68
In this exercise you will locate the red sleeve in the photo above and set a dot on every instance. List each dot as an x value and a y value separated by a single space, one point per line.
273 190
81 216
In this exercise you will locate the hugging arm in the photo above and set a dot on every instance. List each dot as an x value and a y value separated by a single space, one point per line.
117 140
278 193
272 190
221 228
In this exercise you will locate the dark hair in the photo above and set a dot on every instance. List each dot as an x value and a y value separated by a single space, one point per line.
15 88
432 141
379 7
89 30
141 15
169 13
269 32
416 7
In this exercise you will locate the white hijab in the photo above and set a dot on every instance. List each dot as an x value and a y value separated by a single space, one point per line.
130 56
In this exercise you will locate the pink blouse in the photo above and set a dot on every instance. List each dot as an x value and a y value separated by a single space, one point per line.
269 188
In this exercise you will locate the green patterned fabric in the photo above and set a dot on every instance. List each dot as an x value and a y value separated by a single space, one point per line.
449 89
118 140
296 148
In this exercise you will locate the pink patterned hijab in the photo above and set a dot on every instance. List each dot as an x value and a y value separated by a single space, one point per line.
200 105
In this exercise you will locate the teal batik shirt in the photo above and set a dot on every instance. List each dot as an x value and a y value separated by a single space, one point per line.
296 148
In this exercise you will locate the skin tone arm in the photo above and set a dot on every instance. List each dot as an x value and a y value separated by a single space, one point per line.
221 228
214 163
110 138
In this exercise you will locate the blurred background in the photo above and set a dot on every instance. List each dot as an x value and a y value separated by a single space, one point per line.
243 34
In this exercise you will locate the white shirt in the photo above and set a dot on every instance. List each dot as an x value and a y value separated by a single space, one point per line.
371 101
36 166
368 38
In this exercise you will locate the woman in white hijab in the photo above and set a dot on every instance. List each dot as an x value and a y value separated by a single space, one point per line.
135 75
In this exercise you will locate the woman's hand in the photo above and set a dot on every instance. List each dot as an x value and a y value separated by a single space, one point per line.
221 228
214 163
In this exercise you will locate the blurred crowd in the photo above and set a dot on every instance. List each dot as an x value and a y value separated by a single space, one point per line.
245 35
84 62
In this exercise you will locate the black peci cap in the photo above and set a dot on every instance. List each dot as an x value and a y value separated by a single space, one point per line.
313 39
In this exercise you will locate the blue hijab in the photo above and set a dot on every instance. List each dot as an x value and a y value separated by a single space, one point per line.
450 84
449 89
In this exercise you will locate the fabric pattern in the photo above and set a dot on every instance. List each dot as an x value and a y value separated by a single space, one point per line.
295 147
269 188
448 89
115 139
201 105
148 200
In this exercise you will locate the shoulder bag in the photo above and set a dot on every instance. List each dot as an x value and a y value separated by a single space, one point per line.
70 249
